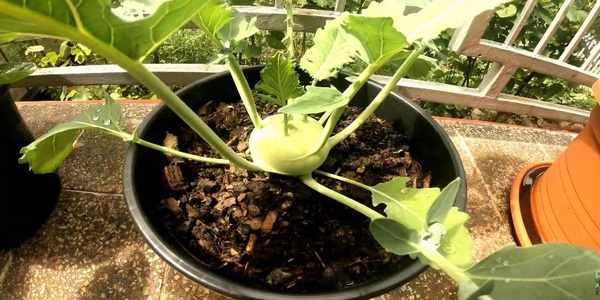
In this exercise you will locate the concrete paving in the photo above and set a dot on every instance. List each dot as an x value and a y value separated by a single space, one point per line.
90 248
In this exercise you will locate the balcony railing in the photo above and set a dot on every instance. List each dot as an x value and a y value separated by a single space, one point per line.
506 58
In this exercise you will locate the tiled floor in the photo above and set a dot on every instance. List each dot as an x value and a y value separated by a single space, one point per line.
90 248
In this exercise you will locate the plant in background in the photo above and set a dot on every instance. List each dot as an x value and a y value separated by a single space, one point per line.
297 139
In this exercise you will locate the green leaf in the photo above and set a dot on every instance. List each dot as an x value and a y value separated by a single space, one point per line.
279 79
238 29
410 207
394 237
13 72
215 15
406 205
507 11
436 17
75 19
444 202
457 244
376 38
331 51
316 100
546 271
46 153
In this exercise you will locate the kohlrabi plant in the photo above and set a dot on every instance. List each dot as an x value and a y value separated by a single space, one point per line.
422 223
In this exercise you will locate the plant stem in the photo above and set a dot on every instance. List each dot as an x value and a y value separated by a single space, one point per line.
458 274
289 21
244 89
372 190
351 203
379 99
178 153
324 117
349 93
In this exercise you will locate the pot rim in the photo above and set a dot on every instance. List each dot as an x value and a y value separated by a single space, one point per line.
521 190
234 289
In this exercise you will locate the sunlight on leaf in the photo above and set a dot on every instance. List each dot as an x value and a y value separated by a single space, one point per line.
316 100
434 18
13 72
376 38
279 80
46 153
331 51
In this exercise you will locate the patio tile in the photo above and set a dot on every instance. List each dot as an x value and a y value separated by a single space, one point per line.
489 229
89 249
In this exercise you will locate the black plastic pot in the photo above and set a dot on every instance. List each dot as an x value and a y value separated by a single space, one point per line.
143 169
27 199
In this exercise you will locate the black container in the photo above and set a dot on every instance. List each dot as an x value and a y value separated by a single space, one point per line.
428 142
27 199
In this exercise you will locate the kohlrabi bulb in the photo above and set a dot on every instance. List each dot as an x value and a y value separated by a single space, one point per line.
274 150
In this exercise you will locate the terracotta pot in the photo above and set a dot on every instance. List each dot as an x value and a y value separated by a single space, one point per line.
560 202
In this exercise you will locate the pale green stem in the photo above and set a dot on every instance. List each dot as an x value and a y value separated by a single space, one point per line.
348 93
181 154
289 8
324 117
357 206
379 99
244 89
456 273
133 138
372 190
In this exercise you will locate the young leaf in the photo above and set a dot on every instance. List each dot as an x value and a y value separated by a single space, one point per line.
238 29
444 202
46 154
410 206
215 15
279 79
394 237
546 271
331 51
457 244
316 100
73 19
376 38
13 72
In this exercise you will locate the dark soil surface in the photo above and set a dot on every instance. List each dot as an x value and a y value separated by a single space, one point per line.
272 231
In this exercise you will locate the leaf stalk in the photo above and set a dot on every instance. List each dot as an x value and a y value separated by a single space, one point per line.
379 99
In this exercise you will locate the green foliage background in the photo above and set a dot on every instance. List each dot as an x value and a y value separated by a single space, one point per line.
192 46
